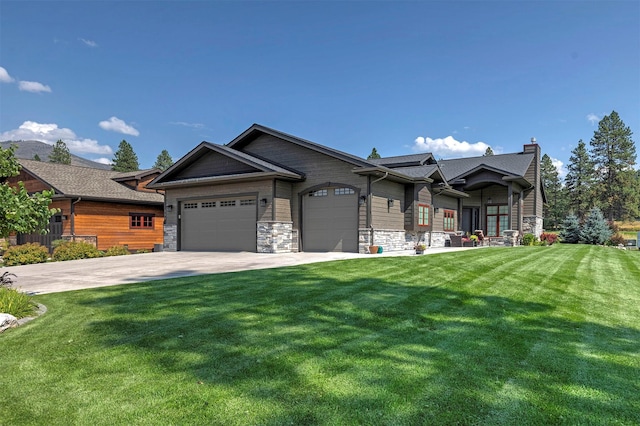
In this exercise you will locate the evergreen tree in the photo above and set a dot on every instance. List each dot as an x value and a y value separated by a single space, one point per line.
125 160
36 157
488 152
580 180
164 161
60 153
614 155
570 230
20 211
595 229
555 208
374 154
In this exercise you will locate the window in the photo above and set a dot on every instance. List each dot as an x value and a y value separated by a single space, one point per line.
190 205
449 220
141 220
319 193
229 203
208 204
343 191
497 220
248 202
423 215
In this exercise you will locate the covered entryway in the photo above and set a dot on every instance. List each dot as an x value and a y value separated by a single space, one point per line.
218 224
330 220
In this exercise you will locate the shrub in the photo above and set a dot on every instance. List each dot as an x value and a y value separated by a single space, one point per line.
25 254
143 251
528 239
548 238
72 250
57 243
116 251
616 239
16 303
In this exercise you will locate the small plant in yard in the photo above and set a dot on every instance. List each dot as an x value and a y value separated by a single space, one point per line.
117 251
548 238
528 239
420 247
570 230
72 250
12 301
140 251
616 240
595 229
25 254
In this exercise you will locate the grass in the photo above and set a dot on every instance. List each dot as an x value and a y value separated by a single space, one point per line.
527 335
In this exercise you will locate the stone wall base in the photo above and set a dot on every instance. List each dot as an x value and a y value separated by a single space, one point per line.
275 237
532 225
170 238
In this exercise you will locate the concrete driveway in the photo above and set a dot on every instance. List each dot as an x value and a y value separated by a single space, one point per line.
89 273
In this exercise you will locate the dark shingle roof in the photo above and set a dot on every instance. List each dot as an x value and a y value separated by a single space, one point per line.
510 164
403 160
73 181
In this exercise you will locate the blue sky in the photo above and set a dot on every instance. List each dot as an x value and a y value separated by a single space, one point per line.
444 77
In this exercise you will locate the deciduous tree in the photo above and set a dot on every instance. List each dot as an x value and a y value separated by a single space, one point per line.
19 211
125 159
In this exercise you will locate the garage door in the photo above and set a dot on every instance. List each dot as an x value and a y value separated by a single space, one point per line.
330 220
220 224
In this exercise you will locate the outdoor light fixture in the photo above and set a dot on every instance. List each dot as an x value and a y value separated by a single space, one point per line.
169 207
390 202
436 209
263 202
362 199
489 200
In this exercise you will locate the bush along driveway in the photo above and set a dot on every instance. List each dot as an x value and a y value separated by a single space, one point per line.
525 335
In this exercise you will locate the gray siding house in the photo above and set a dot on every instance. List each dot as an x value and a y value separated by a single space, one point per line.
271 192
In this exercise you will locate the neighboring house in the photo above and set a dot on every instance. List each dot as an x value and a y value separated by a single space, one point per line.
103 207
269 192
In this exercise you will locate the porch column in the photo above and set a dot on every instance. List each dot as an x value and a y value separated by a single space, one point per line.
510 201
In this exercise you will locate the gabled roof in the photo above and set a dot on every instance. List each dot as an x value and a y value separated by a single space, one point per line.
86 182
515 165
263 168
405 160
256 130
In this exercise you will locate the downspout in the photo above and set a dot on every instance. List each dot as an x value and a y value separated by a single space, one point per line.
73 218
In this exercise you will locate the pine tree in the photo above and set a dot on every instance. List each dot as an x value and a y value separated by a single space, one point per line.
595 229
164 161
555 208
488 152
374 154
614 156
125 160
36 157
60 153
580 181
570 230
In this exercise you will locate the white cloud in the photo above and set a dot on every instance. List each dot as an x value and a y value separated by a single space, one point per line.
448 147
50 133
594 119
185 124
5 77
33 87
559 165
114 124
102 160
89 43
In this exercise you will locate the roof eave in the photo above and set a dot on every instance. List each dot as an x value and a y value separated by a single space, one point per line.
207 180
379 171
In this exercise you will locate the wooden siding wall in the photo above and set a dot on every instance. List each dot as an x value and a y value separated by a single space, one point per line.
214 164
533 198
421 193
384 216
110 223
443 202
318 168
282 201
31 184
263 188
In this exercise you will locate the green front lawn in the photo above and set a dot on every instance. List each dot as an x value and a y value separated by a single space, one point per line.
527 335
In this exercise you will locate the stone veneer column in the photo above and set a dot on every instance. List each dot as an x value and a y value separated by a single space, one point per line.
532 225
170 238
274 237
510 237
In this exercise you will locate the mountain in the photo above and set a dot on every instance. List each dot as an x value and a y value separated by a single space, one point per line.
28 149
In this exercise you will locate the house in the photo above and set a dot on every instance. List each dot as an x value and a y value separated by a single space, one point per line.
103 207
270 192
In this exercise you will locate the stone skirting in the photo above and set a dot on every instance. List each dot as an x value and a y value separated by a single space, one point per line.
511 237
439 239
394 239
170 238
275 237
532 225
